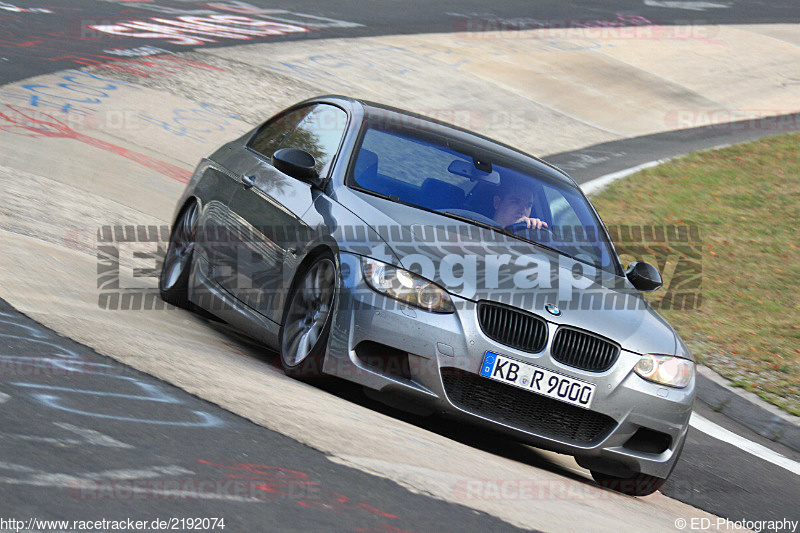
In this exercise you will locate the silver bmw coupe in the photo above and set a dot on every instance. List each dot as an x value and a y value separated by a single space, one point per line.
439 269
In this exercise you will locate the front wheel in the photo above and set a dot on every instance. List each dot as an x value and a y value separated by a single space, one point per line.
307 319
173 283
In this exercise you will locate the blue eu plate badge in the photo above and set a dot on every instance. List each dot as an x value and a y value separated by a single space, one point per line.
488 364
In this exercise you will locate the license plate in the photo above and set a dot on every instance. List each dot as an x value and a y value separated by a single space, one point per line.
538 380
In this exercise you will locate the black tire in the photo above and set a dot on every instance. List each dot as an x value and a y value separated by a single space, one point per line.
638 485
307 319
173 282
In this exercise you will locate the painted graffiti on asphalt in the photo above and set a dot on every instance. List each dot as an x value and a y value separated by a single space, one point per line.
76 103
73 92
196 31
34 357
75 35
79 96
194 123
5 6
308 493
30 123
207 481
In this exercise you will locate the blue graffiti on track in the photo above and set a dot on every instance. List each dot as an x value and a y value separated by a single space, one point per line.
39 355
194 123
74 92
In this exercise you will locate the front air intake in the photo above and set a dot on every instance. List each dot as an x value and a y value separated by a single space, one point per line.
524 410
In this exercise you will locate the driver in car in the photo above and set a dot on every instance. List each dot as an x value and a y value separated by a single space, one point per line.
513 206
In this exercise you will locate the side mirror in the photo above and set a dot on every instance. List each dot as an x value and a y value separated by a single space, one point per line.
643 276
296 163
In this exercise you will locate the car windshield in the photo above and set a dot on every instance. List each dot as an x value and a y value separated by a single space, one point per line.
467 182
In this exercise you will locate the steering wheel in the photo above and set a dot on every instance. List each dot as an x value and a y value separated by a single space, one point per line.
523 226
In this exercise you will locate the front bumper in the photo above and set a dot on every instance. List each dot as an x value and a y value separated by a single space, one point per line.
435 360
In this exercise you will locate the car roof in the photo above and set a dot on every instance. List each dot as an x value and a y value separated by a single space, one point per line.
385 114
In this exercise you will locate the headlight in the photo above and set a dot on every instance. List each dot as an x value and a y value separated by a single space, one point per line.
665 369
406 287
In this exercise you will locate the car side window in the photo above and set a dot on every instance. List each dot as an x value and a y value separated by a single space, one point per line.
319 134
275 131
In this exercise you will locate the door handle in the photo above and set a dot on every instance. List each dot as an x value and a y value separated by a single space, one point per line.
248 181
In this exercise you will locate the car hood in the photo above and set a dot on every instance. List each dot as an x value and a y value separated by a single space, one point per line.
478 264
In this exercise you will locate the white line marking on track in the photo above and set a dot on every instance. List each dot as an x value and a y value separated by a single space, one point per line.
598 184
710 428
4 397
40 478
691 6
93 437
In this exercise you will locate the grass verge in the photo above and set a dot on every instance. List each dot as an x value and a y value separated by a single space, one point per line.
745 200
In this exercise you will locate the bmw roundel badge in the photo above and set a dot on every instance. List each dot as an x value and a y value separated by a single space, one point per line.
553 309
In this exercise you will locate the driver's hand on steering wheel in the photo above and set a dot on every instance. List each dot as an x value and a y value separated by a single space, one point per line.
532 223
